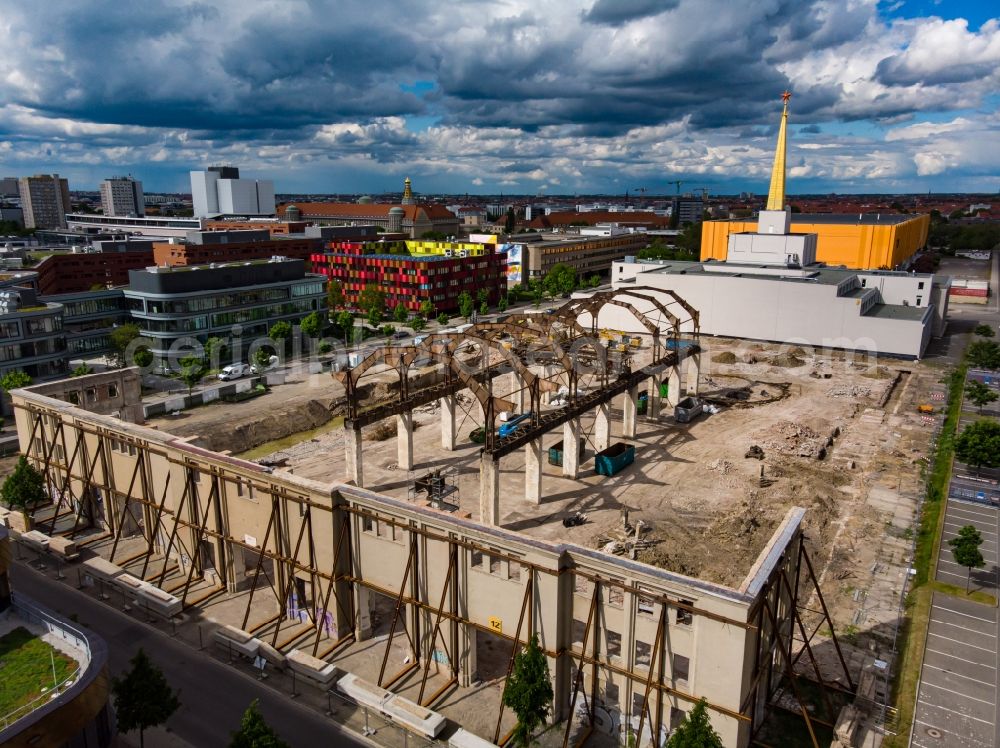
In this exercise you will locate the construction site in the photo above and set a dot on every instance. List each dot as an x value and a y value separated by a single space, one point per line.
675 517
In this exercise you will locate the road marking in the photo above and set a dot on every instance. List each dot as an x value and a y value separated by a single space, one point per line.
981 532
959 675
960 714
956 657
967 615
959 641
960 695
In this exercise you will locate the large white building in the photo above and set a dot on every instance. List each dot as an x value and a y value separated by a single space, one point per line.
219 191
122 196
771 288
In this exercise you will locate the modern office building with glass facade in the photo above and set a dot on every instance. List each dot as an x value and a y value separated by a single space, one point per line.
240 299
31 330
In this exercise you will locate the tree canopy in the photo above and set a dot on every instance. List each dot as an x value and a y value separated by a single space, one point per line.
965 550
120 339
312 325
143 698
466 304
24 487
560 280
14 379
985 331
979 394
984 354
254 732
528 692
695 731
979 444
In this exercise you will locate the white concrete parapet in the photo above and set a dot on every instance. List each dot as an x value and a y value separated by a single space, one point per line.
98 568
465 739
270 654
64 548
236 640
157 601
39 541
313 668
419 719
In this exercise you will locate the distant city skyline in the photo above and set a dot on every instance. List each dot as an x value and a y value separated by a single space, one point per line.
546 97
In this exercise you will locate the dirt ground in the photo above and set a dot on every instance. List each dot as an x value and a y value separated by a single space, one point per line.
706 507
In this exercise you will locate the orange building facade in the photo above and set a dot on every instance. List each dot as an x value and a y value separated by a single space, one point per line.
866 242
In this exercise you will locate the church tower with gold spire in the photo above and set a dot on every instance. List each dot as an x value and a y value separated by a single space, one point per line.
408 193
772 243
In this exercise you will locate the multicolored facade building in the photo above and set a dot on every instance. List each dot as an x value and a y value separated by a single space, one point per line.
412 272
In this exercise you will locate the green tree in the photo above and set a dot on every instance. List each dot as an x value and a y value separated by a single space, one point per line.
979 444
335 295
312 325
120 339
426 309
81 371
979 394
465 304
502 304
484 308
984 354
24 487
695 731
482 296
142 357
434 236
14 379
985 331
417 323
280 331
215 350
261 358
143 698
400 314
344 321
192 369
254 732
528 692
560 280
594 281
374 316
965 550
443 319
371 298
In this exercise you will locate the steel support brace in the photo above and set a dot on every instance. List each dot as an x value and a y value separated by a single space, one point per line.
591 616
213 495
260 560
287 589
452 564
516 646
410 560
655 663
329 589
786 655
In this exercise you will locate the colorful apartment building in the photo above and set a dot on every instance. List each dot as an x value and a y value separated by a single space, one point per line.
413 272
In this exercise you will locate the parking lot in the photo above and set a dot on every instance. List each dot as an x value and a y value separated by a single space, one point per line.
957 701
984 518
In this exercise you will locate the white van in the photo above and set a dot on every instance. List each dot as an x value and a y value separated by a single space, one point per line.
234 371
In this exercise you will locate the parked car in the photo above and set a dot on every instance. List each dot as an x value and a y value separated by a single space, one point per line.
271 363
234 371
400 334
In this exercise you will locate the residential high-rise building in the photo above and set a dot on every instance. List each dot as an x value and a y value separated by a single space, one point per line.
219 190
122 196
44 200
8 187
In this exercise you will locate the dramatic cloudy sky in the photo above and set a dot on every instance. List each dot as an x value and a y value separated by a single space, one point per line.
529 96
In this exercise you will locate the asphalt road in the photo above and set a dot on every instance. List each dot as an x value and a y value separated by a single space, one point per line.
213 696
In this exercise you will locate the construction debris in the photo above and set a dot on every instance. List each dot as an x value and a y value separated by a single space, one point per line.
855 391
792 439
754 453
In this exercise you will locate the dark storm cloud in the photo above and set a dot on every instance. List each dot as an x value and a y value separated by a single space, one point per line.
618 12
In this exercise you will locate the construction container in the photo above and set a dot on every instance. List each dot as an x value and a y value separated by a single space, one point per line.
642 403
614 459
556 452
687 410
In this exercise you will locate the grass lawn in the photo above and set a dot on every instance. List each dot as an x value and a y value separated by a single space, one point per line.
26 668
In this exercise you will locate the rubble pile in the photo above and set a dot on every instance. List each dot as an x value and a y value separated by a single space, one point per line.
853 391
791 438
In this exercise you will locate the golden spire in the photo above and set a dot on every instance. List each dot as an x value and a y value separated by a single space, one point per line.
776 195
407 192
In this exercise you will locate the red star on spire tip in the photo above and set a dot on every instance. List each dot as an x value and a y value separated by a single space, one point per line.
786 96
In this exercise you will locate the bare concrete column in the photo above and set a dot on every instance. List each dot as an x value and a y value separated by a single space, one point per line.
448 422
547 372
630 409
571 448
363 628
674 386
654 404
489 490
519 395
602 426
533 471
468 663
404 440
693 373
355 464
